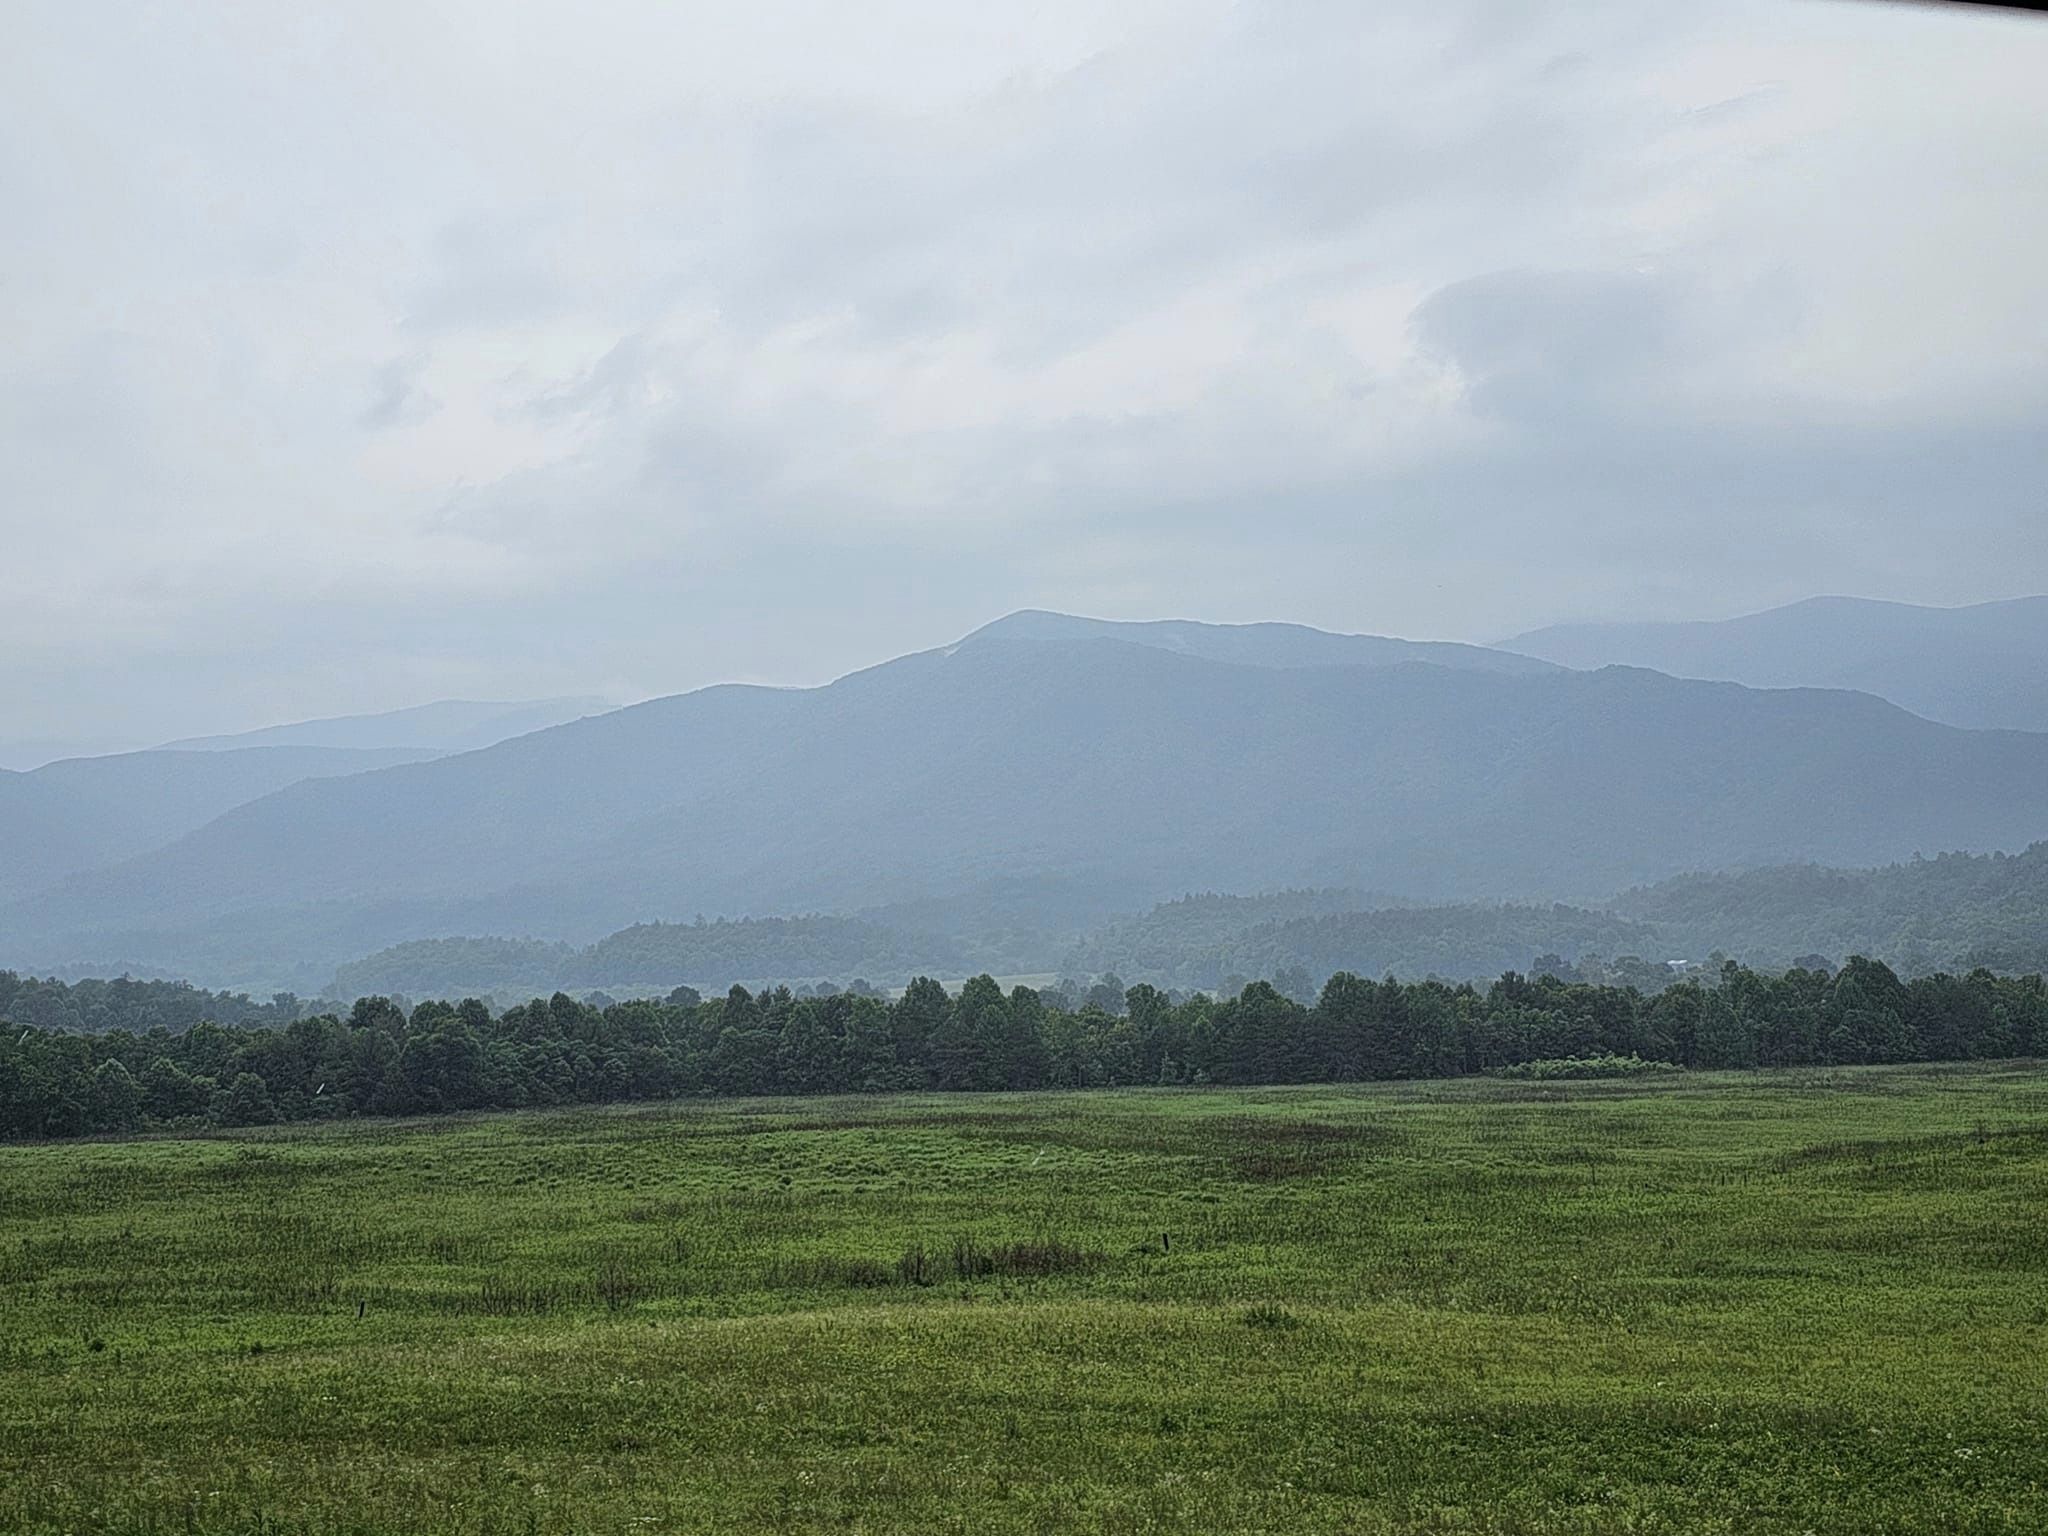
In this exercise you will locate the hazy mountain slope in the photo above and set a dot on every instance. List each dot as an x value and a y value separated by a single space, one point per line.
47 832
1982 667
452 725
1259 645
80 813
1144 772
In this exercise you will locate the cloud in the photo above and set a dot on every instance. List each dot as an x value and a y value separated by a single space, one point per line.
357 359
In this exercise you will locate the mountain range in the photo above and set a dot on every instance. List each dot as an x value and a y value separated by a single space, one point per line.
1088 762
1981 667
83 813
448 725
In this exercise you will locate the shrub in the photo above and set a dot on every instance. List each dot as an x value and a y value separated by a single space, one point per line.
1566 1068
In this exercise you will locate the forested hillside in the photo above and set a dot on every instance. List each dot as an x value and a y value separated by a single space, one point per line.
660 955
1952 912
454 967
1200 941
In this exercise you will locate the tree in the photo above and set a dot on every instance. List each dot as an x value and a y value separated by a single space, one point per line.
1365 1027
116 1097
444 1068
919 1015
377 1013
170 1093
808 1049
966 1042
1263 1036
1867 1014
1724 1039
868 1049
1021 1059
248 1102
1107 994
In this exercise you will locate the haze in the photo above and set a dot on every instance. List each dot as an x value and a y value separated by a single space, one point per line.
361 359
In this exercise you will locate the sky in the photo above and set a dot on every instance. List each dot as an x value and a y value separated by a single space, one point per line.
357 356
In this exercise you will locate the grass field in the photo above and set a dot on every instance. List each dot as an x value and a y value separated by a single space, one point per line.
1772 1303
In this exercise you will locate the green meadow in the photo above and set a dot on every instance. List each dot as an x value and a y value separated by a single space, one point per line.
1770 1302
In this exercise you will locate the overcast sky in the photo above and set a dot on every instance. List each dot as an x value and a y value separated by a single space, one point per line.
411 351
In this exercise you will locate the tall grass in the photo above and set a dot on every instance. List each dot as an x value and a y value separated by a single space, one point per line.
1774 1302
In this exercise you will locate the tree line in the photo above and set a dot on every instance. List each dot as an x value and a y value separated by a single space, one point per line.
95 1005
444 1057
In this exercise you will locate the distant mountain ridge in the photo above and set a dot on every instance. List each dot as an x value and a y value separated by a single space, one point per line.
1259 645
1981 667
82 813
1132 769
449 725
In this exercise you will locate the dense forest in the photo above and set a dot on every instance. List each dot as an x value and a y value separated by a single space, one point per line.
1953 912
1207 941
652 954
446 1057
94 1007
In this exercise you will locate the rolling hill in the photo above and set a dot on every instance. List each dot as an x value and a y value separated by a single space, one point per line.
1952 912
1137 771
1982 667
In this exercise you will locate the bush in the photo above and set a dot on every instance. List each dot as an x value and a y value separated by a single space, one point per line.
1566 1068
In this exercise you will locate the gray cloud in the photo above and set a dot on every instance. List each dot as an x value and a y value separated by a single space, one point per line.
351 362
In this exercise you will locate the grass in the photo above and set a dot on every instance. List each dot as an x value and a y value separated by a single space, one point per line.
1770 1303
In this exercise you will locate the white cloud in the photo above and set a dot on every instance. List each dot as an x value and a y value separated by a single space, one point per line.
408 349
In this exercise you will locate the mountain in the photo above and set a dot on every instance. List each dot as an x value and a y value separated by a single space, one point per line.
1132 770
1259 645
84 812
1982 667
452 725
80 813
